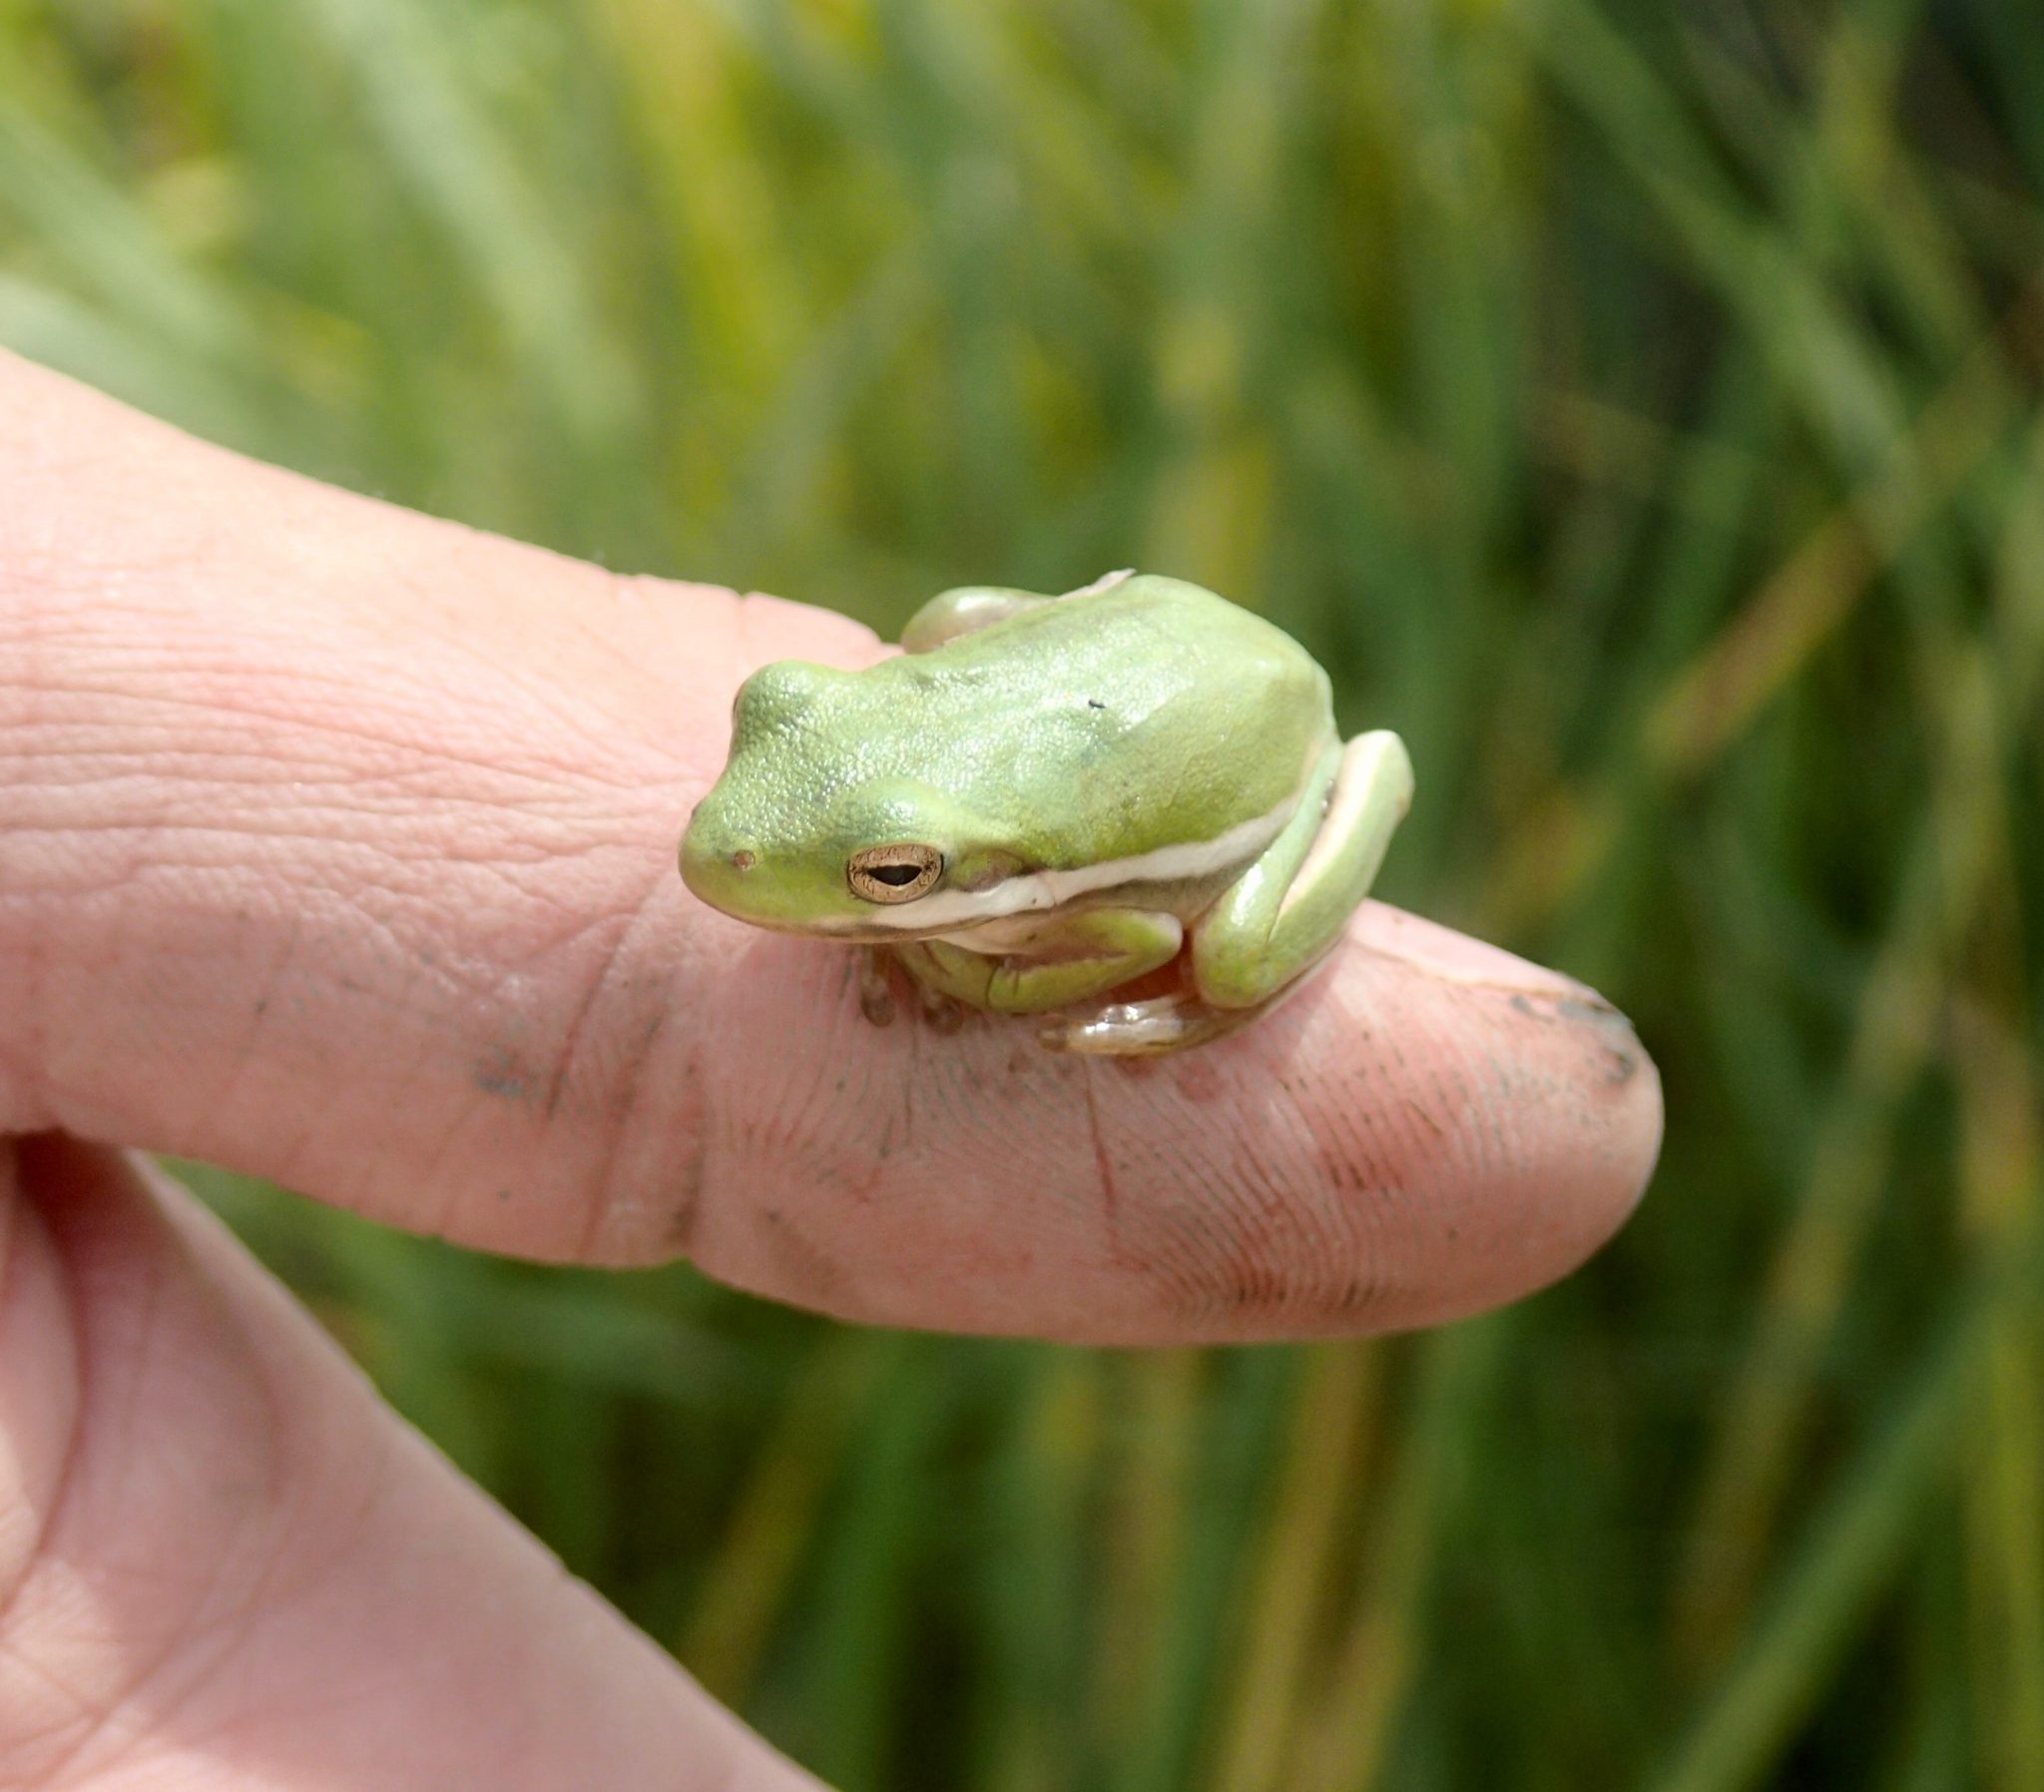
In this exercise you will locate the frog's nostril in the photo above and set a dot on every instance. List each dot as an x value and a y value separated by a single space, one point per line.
743 859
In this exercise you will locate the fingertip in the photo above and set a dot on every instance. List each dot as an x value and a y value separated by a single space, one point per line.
1430 1128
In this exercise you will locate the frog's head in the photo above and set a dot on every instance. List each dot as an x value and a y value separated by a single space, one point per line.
814 829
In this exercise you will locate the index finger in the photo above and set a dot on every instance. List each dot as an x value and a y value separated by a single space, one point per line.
338 848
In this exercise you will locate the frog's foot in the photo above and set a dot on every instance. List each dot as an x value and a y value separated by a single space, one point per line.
1106 582
942 1013
879 966
875 989
1153 1027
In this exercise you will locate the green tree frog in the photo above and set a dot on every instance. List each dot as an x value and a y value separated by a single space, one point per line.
1046 798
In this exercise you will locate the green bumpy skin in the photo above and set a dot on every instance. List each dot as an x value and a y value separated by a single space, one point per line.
1046 798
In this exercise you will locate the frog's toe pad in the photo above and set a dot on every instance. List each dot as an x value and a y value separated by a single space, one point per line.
944 1013
875 994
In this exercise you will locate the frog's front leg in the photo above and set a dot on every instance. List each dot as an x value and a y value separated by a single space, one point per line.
1279 917
1067 960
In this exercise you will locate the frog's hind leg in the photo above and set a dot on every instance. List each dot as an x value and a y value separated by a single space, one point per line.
1106 582
1283 914
966 609
1278 919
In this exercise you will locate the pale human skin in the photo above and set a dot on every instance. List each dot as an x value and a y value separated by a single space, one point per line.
336 845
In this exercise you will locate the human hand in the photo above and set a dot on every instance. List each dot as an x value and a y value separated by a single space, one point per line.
337 846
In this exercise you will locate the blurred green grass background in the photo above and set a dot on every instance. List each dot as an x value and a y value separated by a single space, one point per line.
1637 407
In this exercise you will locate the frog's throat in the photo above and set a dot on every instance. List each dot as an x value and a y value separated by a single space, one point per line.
1031 892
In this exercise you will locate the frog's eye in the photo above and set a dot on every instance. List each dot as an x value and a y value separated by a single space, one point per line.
893 873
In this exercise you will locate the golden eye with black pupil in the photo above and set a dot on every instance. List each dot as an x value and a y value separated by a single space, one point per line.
893 873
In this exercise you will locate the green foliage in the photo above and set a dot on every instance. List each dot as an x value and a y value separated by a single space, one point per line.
1639 412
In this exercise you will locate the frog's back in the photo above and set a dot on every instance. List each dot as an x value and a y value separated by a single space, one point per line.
1152 709
1141 625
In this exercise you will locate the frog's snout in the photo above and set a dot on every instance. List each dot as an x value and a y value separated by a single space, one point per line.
714 862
